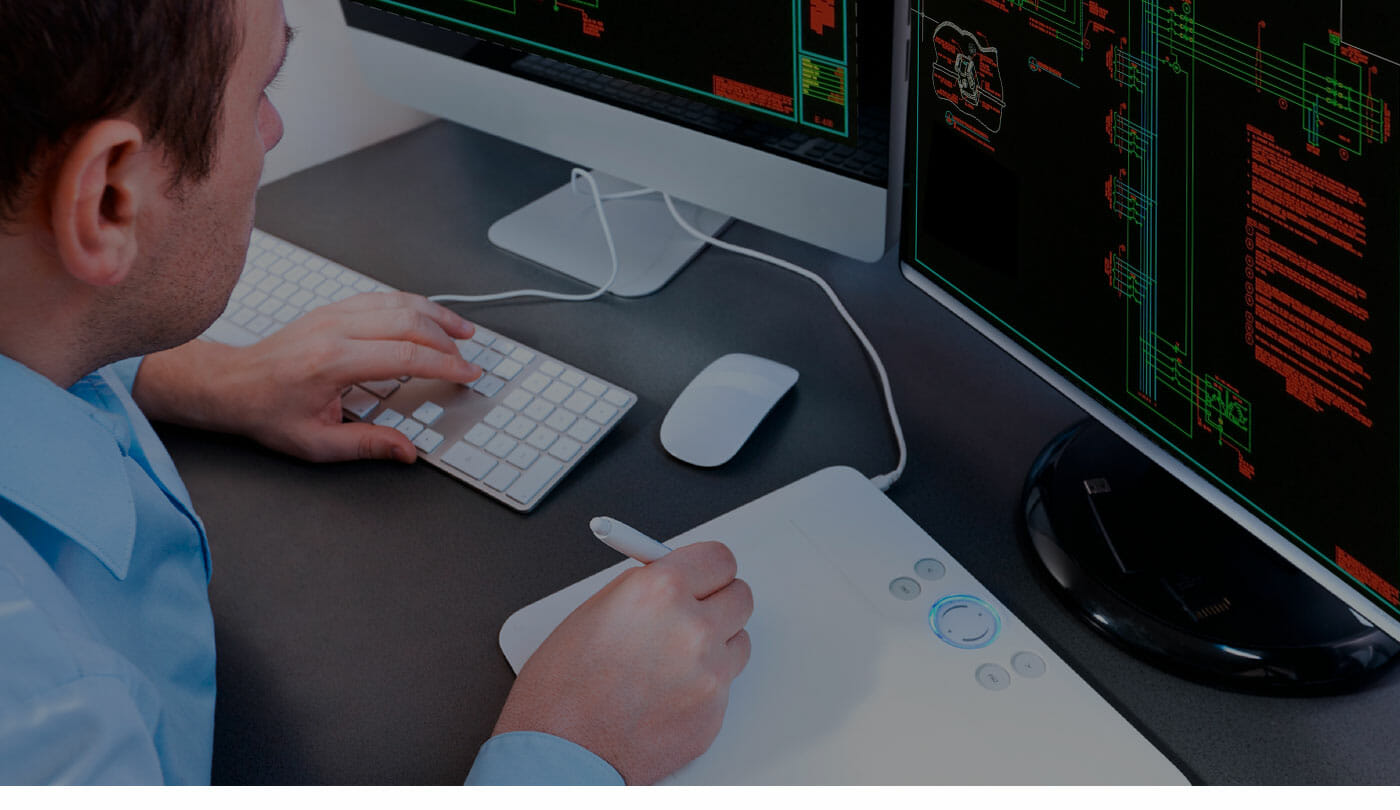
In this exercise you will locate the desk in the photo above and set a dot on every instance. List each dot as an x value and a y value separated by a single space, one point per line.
357 605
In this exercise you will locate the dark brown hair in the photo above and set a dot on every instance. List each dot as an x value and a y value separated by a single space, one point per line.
66 64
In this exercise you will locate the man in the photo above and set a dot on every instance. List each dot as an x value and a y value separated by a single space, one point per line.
132 139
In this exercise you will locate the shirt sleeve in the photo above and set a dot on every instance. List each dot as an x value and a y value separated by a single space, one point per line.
536 758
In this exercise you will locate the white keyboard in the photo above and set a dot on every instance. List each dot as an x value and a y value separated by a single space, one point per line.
513 434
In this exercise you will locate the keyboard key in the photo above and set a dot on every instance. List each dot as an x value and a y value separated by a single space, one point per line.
557 392
328 288
538 410
561 420
523 456
602 413
365 285
254 298
534 479
259 324
504 347
381 388
311 281
484 336
315 263
488 359
503 476
583 431
489 385
409 428
579 402
617 398
549 368
428 440
517 400
287 314
542 438
242 316
501 446
285 291
572 377
565 448
345 292
300 298
388 418
428 413
523 356
269 306
296 274
468 349
535 383
595 387
499 417
508 369
479 435
469 460
521 427
359 402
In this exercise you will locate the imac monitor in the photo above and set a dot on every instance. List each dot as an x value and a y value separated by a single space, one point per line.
1185 214
775 112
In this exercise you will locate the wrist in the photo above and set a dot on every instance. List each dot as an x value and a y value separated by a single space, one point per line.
181 386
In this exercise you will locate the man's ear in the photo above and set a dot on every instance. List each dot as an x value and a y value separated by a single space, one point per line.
102 183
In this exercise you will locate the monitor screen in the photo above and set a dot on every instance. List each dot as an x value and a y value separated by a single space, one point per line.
1186 212
807 82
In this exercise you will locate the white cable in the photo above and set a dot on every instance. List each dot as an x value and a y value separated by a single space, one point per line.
884 482
554 296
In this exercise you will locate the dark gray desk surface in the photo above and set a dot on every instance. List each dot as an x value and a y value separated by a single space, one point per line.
357 605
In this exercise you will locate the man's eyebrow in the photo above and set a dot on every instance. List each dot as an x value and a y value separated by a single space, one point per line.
289 33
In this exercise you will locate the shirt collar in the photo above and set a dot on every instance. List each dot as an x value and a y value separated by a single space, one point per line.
63 460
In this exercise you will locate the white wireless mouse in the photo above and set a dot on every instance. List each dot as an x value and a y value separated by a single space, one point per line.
714 415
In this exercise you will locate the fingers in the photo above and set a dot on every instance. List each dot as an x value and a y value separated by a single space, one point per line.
703 568
450 322
386 359
391 319
729 608
352 440
737 651
401 323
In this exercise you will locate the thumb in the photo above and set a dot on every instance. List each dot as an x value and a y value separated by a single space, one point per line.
358 440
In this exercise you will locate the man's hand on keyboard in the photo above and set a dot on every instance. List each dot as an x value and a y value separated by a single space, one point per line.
284 391
640 673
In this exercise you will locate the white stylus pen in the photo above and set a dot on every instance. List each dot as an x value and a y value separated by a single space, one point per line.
629 541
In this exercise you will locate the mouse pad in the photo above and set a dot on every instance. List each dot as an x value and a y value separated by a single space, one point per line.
854 681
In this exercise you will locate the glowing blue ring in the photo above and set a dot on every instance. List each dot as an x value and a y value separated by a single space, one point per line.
971 600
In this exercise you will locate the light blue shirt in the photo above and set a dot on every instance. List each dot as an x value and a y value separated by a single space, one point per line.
106 636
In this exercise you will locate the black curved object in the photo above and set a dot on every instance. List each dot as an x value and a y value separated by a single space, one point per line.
1165 574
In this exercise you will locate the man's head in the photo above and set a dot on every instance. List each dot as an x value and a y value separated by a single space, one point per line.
132 141
68 64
